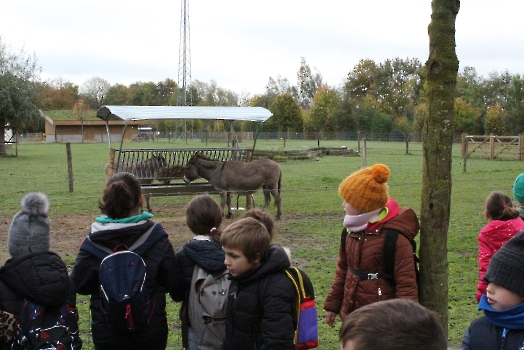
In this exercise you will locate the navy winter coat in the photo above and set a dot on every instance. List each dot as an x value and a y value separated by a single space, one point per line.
261 311
163 276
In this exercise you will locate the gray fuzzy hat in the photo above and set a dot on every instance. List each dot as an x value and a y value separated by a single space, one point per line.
29 231
506 267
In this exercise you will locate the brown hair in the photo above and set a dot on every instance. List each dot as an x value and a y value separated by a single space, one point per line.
500 207
204 216
248 235
396 324
263 218
121 196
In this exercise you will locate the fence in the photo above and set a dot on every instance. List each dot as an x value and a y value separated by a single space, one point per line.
492 146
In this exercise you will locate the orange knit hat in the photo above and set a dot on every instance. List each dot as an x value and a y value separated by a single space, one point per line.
366 189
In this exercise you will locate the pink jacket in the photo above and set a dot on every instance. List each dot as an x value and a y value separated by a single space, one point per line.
491 238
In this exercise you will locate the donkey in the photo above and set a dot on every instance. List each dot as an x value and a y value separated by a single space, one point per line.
238 177
146 171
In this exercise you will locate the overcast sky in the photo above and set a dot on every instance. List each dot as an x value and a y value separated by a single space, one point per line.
241 43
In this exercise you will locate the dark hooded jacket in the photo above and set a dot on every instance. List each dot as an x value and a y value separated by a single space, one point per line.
38 277
364 253
261 306
162 276
204 253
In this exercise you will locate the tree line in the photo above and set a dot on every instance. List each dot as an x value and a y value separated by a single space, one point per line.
376 97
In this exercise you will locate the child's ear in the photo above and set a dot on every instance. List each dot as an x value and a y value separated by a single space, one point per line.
257 259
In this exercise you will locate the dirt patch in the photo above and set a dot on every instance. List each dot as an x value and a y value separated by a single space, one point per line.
67 232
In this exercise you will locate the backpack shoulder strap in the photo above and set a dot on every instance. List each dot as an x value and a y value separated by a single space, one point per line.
388 255
142 244
148 239
343 238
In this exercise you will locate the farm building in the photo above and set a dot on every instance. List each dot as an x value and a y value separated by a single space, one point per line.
62 126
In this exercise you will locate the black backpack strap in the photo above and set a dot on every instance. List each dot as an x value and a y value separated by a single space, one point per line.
388 256
343 238
388 259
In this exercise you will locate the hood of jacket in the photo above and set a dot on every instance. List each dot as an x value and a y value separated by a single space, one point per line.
276 260
404 220
39 277
206 254
114 234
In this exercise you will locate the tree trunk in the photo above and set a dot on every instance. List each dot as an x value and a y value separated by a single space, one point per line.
2 143
442 68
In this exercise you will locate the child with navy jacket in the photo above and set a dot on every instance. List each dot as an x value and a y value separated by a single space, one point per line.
502 326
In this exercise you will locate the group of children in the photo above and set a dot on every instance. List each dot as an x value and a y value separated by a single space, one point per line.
259 300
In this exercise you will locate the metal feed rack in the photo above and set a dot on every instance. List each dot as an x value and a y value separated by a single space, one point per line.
170 175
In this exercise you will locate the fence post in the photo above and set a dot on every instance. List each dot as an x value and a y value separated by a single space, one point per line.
491 146
358 141
464 151
111 164
69 166
521 146
364 153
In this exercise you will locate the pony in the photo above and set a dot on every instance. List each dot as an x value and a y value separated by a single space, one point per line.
238 177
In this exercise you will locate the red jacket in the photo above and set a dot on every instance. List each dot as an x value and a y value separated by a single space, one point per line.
491 238
363 253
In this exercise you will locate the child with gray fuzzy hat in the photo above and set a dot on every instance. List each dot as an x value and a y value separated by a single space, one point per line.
34 285
502 326
30 228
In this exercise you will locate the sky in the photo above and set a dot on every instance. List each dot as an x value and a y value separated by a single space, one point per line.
240 44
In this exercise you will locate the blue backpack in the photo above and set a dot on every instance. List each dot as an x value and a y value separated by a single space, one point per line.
126 302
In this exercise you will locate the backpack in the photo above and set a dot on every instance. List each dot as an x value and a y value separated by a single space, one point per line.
207 306
39 327
388 256
306 333
125 303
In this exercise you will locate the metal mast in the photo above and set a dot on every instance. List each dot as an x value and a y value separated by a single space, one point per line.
184 97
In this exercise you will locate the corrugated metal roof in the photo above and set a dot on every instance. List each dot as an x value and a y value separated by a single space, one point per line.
182 112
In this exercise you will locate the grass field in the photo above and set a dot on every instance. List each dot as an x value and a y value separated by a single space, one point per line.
312 209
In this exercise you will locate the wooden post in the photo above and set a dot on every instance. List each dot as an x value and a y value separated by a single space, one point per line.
364 153
111 164
491 147
249 201
358 142
521 146
69 166
464 151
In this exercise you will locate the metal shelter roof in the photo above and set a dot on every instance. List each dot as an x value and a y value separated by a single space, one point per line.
127 113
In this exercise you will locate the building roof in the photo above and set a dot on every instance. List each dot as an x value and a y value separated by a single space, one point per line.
182 112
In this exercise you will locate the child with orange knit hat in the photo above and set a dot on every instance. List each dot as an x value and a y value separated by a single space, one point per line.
360 278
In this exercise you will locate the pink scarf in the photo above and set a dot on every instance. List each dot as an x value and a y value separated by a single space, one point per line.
357 223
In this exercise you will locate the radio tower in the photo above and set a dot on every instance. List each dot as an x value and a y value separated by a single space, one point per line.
184 96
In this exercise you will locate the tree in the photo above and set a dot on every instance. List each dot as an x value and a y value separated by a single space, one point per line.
440 85
94 91
495 120
118 95
145 94
57 94
466 117
286 114
326 103
359 82
307 84
19 81
80 112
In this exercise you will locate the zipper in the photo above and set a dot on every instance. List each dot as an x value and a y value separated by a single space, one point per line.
379 294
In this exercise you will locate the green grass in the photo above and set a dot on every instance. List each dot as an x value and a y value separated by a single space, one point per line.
312 209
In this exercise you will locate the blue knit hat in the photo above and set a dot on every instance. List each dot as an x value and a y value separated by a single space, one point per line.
518 188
